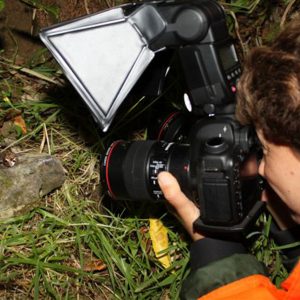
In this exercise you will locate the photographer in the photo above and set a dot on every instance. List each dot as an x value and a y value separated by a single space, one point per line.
268 98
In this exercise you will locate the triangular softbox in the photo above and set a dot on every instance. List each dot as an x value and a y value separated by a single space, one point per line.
103 55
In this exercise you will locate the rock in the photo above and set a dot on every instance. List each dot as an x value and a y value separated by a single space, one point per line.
30 178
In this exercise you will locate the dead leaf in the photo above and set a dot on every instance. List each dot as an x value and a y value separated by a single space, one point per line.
94 265
160 242
19 121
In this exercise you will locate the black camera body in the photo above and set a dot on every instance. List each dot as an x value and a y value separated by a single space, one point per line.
207 166
207 162
228 199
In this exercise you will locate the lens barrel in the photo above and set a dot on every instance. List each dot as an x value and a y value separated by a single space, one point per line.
129 170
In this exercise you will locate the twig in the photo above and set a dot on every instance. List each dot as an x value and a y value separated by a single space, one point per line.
35 74
32 21
86 6
32 133
108 3
31 72
236 26
284 16
28 71
44 140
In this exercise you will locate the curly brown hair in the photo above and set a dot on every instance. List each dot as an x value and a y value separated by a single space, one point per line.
269 89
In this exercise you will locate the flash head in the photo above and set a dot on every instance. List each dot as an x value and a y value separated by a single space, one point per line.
104 54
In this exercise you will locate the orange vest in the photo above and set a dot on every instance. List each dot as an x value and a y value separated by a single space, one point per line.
258 287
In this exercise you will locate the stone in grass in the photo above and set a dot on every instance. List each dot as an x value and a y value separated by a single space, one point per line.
26 180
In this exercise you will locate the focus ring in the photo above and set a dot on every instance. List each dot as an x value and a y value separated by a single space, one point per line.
135 169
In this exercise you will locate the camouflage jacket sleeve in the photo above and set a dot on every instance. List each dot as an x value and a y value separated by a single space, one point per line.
215 263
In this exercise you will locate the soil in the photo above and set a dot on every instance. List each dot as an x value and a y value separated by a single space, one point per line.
20 23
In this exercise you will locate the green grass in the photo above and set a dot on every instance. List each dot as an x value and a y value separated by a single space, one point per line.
45 253
77 243
266 250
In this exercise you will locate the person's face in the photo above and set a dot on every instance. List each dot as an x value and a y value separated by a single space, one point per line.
280 166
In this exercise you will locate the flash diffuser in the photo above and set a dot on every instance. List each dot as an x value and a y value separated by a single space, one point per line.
103 55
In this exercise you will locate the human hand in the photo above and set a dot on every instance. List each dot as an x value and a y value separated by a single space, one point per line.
185 209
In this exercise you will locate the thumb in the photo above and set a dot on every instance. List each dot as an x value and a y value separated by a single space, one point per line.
186 210
171 190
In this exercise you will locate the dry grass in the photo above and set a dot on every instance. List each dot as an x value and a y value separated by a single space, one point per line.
77 244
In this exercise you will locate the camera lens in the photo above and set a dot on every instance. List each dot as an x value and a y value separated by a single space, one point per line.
171 128
129 169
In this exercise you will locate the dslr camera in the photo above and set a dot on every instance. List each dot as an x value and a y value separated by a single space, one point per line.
105 54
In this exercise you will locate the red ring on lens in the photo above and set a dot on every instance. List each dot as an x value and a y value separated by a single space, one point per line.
108 157
166 123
